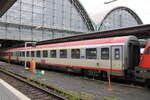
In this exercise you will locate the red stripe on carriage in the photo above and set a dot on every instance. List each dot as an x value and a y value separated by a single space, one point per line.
82 67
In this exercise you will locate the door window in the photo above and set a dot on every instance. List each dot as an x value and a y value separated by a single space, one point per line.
117 53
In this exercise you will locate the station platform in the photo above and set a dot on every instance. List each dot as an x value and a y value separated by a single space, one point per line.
7 92
89 89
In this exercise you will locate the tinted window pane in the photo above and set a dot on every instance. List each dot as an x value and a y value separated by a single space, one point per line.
53 53
45 53
105 53
117 54
75 53
10 53
91 53
23 54
32 53
14 53
28 54
63 53
19 54
38 53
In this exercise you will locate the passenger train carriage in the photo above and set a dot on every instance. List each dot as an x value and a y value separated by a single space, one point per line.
119 56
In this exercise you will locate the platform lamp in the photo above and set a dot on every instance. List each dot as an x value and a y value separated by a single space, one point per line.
33 44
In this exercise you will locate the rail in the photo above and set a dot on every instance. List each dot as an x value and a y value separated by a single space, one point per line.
31 90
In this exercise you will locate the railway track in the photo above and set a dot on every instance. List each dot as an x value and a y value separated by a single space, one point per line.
117 81
29 89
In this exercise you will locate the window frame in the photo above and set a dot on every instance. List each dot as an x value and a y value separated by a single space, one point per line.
45 53
90 50
107 55
64 55
32 53
14 53
23 53
117 58
38 53
27 53
20 54
74 54
53 55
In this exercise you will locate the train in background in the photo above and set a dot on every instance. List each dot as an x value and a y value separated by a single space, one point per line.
117 56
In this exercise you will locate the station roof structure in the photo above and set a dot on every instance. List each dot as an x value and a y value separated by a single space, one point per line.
83 13
39 20
116 18
5 5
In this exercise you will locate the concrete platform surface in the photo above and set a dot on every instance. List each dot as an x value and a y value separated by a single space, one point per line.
7 92
95 89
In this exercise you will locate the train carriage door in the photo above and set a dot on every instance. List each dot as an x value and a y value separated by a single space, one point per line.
105 61
117 61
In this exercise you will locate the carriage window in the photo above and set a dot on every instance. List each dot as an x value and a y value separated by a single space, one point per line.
53 53
17 53
32 53
148 51
104 53
91 53
117 54
63 53
38 53
28 54
23 54
10 53
20 54
45 53
75 53
14 53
